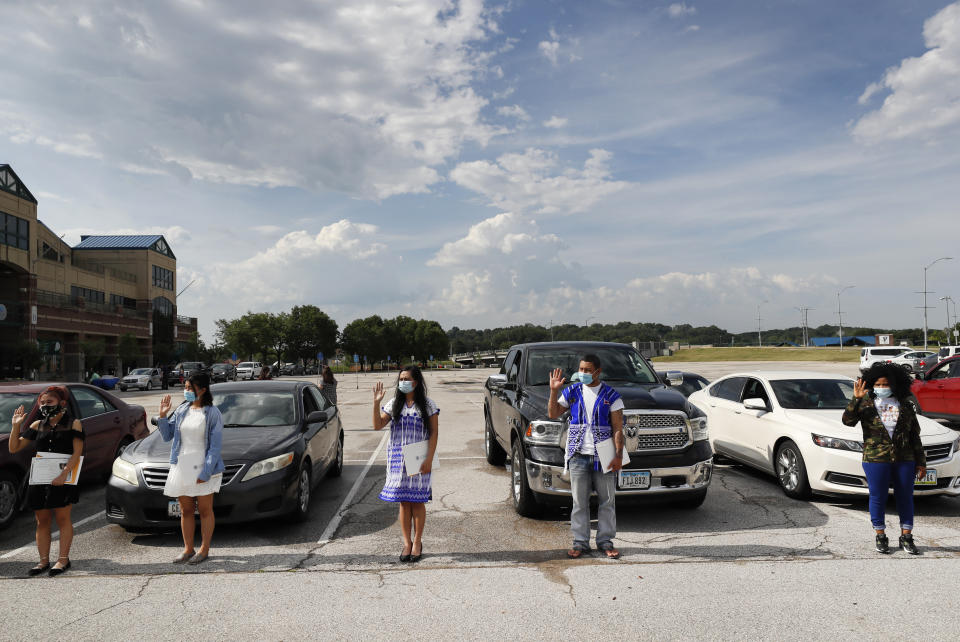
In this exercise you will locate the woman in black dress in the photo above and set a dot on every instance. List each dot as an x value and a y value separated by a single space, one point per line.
55 432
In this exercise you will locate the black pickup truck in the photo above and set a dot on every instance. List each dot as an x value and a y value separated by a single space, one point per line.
665 435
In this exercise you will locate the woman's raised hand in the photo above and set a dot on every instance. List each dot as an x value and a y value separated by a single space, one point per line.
859 389
165 405
18 416
378 393
556 379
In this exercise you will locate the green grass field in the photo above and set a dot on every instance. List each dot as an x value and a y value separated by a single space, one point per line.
850 354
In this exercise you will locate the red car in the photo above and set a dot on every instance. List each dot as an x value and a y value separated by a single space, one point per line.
937 390
109 423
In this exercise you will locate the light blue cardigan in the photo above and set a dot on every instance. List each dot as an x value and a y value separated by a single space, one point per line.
170 429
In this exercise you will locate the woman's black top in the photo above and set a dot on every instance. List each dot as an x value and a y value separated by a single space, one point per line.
56 440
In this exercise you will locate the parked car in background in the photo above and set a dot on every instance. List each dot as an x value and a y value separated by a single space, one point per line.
291 370
665 435
937 391
249 369
222 372
911 360
871 355
948 351
691 382
109 423
788 424
142 378
280 438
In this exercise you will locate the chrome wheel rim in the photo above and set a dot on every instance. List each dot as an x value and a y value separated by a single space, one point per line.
486 439
789 472
515 472
304 490
8 499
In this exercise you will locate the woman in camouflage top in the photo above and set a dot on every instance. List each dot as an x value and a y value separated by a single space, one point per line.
892 450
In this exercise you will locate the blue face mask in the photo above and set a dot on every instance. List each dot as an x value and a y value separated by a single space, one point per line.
586 378
883 393
189 395
405 386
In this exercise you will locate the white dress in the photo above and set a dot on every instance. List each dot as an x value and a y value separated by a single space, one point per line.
182 480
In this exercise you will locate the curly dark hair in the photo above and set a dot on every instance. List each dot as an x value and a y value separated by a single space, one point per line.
899 379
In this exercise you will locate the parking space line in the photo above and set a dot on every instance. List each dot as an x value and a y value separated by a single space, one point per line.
53 537
331 528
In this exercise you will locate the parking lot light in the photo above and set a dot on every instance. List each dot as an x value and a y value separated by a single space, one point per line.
942 258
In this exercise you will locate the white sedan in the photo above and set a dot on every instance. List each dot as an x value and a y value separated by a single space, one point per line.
788 424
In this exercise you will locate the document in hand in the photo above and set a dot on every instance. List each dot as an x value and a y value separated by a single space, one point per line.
46 467
414 454
607 451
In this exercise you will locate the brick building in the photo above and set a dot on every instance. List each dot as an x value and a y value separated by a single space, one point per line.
71 301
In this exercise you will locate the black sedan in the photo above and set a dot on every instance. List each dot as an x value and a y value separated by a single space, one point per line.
280 438
223 372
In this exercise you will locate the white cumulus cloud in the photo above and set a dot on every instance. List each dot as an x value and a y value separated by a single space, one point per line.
681 9
555 122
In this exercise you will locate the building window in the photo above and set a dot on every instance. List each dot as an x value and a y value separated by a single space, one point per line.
15 231
162 278
90 296
163 306
124 301
50 254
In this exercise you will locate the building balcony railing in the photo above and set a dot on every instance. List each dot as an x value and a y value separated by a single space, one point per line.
182 320
103 270
67 302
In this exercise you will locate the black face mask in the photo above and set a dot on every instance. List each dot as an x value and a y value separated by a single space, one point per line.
49 410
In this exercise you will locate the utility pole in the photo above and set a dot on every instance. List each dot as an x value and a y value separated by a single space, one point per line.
759 334
840 314
925 293
804 334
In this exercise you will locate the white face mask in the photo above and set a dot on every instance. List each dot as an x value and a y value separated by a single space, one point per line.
883 393
405 386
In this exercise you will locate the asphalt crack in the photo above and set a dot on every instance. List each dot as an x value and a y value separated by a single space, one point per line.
140 592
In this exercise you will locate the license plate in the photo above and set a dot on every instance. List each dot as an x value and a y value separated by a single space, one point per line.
930 479
173 509
633 480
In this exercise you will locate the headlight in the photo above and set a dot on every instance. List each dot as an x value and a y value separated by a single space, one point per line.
839 444
126 471
698 427
546 433
270 465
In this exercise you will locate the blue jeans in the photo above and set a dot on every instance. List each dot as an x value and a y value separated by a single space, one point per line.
583 480
879 476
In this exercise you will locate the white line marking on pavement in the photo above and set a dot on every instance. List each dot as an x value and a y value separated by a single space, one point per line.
56 535
335 522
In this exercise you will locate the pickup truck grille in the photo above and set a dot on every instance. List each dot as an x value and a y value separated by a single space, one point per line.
655 430
661 442
659 421
156 475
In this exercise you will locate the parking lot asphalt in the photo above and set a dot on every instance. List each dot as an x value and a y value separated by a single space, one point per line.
748 563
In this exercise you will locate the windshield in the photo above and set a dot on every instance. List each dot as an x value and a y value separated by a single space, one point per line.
221 366
8 403
140 371
619 366
245 364
805 394
256 408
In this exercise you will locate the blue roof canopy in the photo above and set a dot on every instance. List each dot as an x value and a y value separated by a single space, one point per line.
154 242
821 342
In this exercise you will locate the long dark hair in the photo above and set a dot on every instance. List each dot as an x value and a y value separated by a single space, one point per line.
899 379
60 392
202 380
419 396
328 375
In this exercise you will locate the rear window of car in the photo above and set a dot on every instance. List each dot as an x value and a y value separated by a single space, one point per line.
886 352
729 389
10 401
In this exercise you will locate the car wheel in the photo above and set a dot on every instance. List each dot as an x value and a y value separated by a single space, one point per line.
496 455
123 388
149 386
302 510
9 497
523 500
693 501
337 469
791 471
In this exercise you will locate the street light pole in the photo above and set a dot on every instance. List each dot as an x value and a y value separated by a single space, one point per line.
759 336
840 314
942 258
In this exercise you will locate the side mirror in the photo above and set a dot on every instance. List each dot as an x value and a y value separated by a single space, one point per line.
674 377
317 416
755 404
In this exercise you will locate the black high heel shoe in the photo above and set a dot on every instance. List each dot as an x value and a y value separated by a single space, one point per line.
405 557
416 558
54 571
39 568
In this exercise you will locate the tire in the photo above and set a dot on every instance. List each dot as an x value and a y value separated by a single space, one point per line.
791 471
10 488
301 511
123 388
693 501
523 500
149 386
337 469
495 453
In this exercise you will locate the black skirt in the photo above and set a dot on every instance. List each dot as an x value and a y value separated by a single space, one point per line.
46 496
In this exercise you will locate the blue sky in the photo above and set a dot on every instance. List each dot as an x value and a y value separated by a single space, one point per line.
487 163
